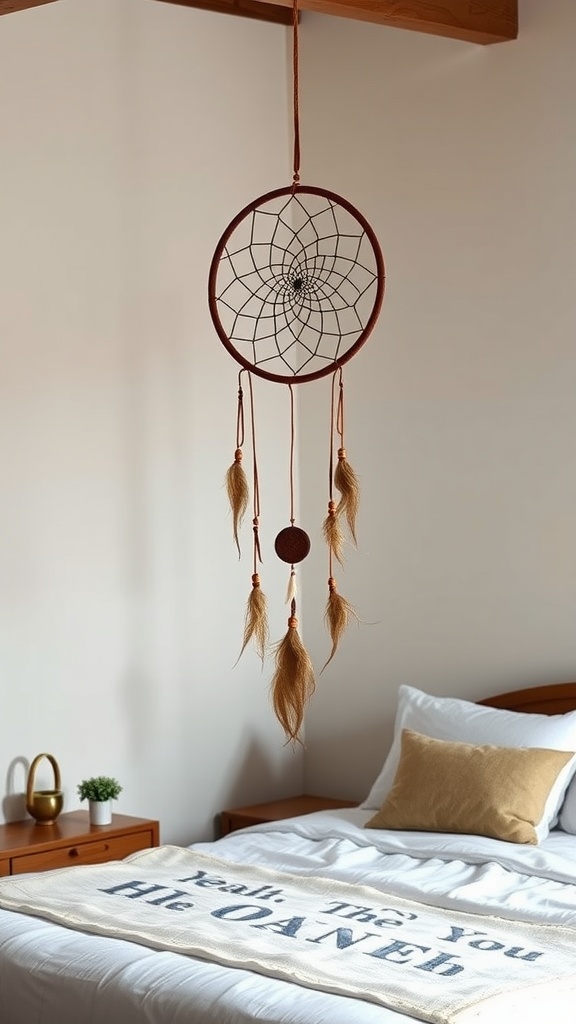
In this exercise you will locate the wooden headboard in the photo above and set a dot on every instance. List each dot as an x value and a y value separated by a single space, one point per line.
554 699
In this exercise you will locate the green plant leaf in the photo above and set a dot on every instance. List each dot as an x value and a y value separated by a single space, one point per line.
99 788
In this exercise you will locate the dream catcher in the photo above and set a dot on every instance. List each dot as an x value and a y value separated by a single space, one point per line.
296 285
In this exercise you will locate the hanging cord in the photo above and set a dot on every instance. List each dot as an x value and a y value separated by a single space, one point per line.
236 482
345 478
332 422
256 482
338 609
256 620
294 681
291 590
240 431
295 76
292 444
331 529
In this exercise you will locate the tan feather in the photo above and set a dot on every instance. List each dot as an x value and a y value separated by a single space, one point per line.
337 617
238 494
293 683
256 622
333 532
346 481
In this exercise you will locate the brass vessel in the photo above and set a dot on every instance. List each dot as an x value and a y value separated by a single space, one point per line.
44 804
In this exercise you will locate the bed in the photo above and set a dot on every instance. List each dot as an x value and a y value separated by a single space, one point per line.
317 919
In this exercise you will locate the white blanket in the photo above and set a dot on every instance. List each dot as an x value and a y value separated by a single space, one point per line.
439 965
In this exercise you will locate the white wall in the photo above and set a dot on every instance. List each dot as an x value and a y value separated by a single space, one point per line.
461 409
131 132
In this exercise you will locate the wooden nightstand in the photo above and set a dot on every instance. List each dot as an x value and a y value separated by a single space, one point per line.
240 817
26 846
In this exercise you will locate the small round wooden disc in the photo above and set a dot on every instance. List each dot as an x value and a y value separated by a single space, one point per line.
292 544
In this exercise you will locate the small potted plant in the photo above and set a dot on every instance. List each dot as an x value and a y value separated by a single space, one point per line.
100 791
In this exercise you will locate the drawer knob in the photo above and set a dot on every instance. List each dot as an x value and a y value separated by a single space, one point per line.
73 852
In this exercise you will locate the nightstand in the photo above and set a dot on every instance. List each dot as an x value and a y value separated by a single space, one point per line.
255 814
26 846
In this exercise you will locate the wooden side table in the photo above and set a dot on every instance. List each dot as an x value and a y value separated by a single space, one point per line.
255 814
26 846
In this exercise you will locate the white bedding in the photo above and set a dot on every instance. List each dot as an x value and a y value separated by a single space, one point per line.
52 975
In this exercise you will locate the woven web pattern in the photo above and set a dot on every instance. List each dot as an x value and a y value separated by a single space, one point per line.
296 285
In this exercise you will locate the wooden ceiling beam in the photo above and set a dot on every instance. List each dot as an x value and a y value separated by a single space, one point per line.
481 21
488 21
244 8
10 6
272 11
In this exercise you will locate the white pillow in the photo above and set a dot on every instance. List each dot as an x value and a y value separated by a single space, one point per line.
448 718
567 820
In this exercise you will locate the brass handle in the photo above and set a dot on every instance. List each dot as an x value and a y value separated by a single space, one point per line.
31 773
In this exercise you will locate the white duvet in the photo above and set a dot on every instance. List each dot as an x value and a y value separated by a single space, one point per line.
52 975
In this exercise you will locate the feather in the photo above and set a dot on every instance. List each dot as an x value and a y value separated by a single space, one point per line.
256 622
333 532
292 588
238 493
337 617
346 481
293 683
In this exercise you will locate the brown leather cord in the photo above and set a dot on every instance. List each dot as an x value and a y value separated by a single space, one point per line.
345 479
332 422
331 526
292 439
331 503
256 482
240 413
296 177
340 411
236 482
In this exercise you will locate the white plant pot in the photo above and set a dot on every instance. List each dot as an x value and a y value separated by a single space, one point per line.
100 812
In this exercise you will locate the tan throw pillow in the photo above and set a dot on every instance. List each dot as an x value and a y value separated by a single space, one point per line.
441 786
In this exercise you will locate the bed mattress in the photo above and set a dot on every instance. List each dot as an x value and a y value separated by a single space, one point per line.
51 974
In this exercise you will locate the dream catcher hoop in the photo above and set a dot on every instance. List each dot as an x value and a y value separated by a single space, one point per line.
296 285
